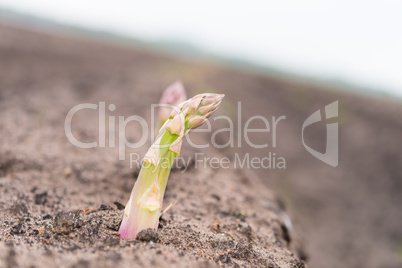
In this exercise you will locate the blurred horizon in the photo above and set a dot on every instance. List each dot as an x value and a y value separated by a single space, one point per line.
333 42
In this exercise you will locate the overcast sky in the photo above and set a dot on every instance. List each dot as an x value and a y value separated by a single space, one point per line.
359 41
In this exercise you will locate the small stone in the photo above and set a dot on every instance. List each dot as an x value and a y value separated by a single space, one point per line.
113 224
17 229
119 205
105 207
64 223
41 199
216 226
148 235
47 217
67 172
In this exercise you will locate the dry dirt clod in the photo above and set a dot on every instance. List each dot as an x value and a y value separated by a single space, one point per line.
19 208
148 235
248 232
18 229
119 205
216 226
105 207
65 222
41 199
114 224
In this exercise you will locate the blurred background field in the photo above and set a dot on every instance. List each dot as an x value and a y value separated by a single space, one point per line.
346 42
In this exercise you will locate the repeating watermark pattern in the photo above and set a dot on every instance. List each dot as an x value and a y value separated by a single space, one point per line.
236 137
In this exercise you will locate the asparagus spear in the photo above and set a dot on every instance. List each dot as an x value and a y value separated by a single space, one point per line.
171 97
144 206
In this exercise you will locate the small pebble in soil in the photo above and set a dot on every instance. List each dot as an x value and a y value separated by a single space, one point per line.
35 232
119 205
17 229
148 235
216 226
114 224
47 217
216 197
67 172
248 232
65 222
41 199
105 207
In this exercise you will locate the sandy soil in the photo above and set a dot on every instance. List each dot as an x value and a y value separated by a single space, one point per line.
349 216
222 217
